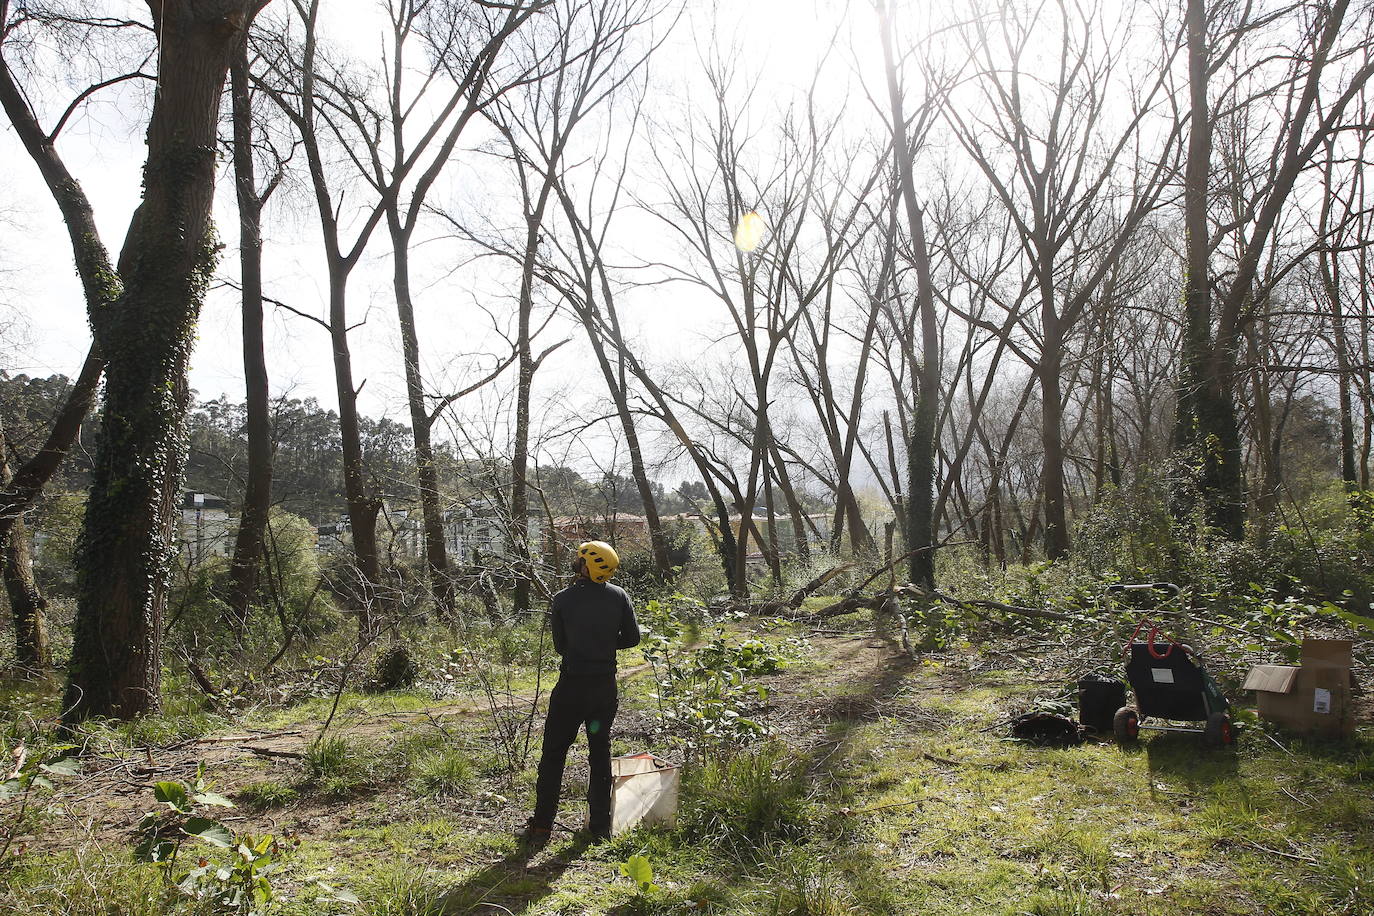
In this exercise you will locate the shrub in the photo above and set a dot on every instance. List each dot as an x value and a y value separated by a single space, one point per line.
444 772
746 799
337 767
395 669
1328 544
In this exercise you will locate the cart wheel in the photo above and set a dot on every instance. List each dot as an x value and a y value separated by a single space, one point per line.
1219 732
1126 725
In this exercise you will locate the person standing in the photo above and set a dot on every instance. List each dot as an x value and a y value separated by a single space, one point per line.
592 619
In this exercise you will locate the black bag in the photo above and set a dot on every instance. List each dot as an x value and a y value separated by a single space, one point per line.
1046 728
1099 697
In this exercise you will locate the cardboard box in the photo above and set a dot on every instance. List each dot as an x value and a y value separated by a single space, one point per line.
644 789
1313 698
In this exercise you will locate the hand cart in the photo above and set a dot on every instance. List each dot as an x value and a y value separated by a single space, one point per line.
1171 685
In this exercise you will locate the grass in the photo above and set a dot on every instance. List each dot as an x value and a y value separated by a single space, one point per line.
747 799
267 795
895 792
444 773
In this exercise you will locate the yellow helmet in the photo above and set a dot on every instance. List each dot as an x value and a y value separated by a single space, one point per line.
602 560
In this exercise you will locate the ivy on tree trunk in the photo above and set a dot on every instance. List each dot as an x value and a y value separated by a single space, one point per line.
125 549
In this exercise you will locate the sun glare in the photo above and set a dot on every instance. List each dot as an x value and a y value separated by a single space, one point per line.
749 232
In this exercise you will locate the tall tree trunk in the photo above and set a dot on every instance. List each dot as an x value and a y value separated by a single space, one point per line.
920 514
427 475
1052 435
1206 429
795 513
257 493
27 604
1329 264
125 549
28 607
519 492
363 506
1263 433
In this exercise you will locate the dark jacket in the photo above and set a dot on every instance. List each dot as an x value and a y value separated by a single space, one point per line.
591 620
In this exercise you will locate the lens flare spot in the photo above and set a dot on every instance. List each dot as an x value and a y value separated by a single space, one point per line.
593 726
749 232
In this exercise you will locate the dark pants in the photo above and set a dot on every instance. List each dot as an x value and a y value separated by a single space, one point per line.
578 699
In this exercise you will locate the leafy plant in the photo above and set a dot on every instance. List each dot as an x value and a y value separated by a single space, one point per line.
708 692
29 774
240 885
639 870
243 885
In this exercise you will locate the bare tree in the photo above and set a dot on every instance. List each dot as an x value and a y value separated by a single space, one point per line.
1311 70
592 53
1076 177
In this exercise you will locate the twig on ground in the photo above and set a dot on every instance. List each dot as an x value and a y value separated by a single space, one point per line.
270 752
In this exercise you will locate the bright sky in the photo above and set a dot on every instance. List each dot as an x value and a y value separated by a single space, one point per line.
779 40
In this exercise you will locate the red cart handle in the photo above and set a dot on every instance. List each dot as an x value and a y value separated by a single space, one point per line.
1150 640
1150 644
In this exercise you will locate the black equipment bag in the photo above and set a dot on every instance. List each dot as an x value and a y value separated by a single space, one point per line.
1099 697
1168 684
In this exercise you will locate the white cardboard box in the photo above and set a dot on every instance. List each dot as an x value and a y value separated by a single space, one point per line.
644 790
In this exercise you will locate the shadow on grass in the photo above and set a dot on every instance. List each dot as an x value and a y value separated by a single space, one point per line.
1187 758
512 884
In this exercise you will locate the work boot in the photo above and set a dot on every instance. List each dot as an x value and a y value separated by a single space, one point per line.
598 833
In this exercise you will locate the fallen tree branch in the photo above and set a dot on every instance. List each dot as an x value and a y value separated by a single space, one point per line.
879 599
269 752
778 607
1005 608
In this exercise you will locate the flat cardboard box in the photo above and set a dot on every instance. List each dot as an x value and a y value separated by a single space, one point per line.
1313 698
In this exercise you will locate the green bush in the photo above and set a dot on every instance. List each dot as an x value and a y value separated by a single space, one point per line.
444 773
1327 546
748 799
339 767
394 669
289 601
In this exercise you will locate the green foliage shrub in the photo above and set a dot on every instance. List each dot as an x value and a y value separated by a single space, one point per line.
707 692
444 773
1327 546
339 767
1322 547
637 574
746 799
1133 532
289 601
395 668
58 519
